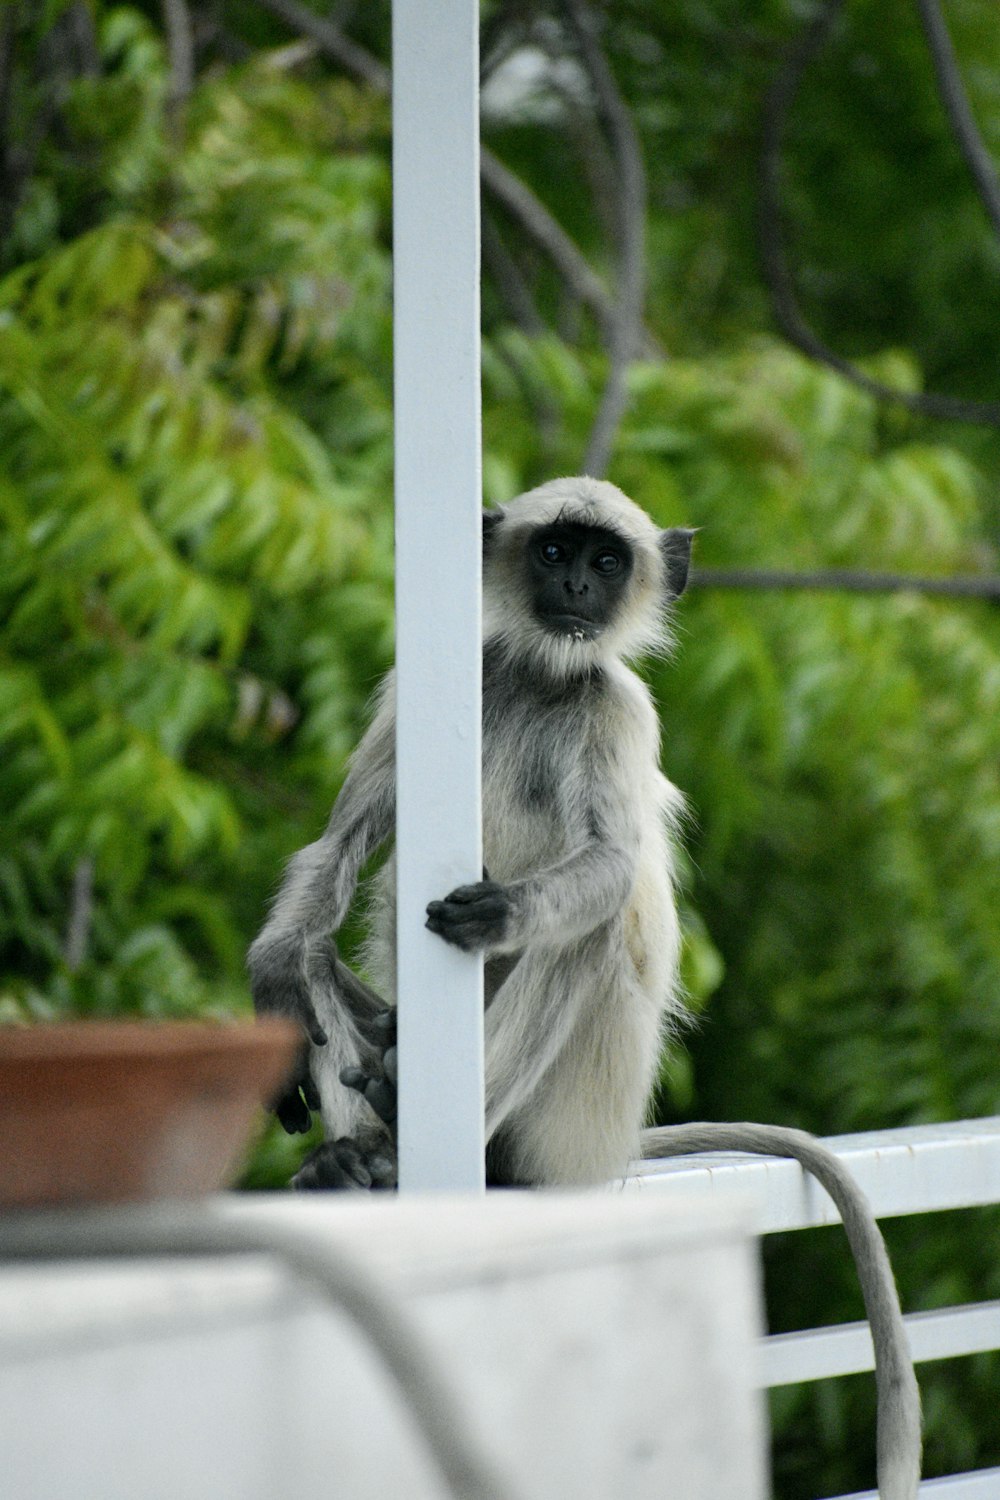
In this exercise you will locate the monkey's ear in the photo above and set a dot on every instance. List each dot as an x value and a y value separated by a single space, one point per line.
675 545
491 520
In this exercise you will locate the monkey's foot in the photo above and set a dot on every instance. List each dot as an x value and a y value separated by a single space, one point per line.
376 1081
348 1165
366 1161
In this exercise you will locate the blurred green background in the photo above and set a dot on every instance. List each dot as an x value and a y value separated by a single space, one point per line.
195 541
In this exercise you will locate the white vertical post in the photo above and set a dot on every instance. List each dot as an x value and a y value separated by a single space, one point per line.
435 160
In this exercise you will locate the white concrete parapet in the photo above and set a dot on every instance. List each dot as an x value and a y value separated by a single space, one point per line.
602 1346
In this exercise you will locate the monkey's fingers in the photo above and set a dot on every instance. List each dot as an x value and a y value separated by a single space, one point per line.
384 1027
383 1171
379 1092
310 1092
351 1164
381 1095
298 1097
378 1030
465 935
473 916
293 1112
334 1166
314 1030
299 1005
480 890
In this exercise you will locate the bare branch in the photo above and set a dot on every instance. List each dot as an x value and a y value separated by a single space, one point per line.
180 49
9 185
957 105
80 915
331 40
626 329
506 187
81 24
847 580
770 227
548 234
511 284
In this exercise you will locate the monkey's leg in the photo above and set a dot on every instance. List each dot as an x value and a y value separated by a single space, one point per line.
531 1019
360 1007
375 1078
566 1107
365 1159
377 1082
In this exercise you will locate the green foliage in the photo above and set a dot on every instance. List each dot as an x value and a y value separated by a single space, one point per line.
195 583
847 800
841 755
884 255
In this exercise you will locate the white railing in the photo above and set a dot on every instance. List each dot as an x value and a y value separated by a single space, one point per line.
924 1169
438 547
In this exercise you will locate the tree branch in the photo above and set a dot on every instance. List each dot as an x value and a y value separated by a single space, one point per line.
509 280
506 187
180 49
80 915
626 329
550 237
957 106
777 275
81 22
331 40
847 580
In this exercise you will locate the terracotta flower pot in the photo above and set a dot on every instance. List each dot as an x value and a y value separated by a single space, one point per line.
117 1111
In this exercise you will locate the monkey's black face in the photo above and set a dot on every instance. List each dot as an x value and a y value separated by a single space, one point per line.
578 577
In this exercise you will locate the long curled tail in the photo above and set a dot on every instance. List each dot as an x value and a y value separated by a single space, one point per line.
899 1437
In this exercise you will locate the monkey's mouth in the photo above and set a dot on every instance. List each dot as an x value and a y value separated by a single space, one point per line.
574 626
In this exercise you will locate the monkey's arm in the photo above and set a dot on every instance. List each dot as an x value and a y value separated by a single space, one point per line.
559 904
294 966
899 1425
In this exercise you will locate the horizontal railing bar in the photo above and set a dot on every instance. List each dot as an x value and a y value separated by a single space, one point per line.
919 1169
981 1484
846 1349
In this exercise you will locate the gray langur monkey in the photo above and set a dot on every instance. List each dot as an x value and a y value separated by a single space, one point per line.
576 916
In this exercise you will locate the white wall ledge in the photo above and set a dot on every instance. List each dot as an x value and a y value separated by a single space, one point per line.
589 1339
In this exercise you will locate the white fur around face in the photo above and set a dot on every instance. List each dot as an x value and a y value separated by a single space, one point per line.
640 628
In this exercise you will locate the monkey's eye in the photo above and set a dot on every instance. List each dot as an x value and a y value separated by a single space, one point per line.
552 554
606 563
